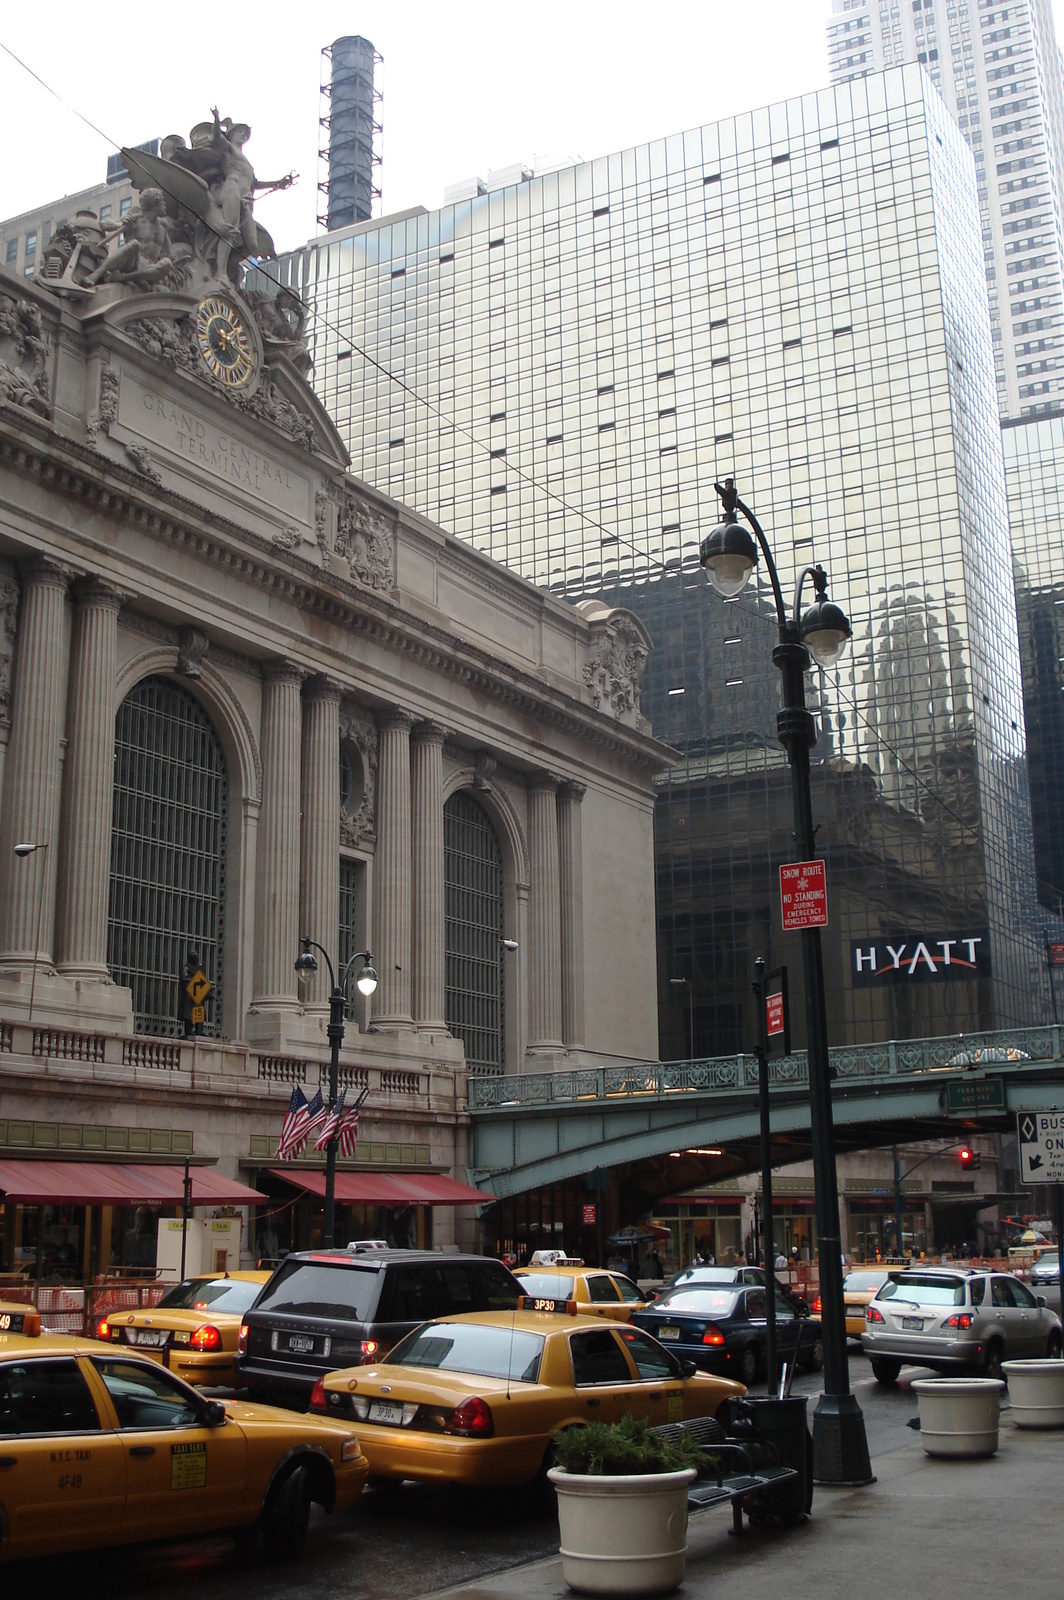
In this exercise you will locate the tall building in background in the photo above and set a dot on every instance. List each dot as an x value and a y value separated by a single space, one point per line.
23 238
998 68
557 370
347 185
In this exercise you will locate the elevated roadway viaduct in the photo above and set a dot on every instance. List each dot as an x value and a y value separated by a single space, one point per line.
540 1128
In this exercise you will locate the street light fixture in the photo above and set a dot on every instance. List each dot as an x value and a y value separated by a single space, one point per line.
729 555
23 850
366 982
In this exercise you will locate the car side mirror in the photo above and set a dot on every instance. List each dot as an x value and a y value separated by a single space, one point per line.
214 1414
687 1368
1041 1299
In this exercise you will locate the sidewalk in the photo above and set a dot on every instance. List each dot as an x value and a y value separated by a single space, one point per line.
923 1529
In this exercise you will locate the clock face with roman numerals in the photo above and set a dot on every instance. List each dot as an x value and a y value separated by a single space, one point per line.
225 343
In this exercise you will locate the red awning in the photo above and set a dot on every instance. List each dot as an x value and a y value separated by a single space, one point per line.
388 1188
107 1183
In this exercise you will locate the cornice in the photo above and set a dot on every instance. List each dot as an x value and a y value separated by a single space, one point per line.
31 448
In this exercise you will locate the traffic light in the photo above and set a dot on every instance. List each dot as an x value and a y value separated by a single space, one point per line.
967 1157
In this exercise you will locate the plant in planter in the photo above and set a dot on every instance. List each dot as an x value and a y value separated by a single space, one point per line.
622 1506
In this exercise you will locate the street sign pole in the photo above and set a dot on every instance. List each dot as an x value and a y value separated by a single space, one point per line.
766 1181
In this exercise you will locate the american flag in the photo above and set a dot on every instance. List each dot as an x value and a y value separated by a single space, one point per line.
330 1123
291 1127
347 1137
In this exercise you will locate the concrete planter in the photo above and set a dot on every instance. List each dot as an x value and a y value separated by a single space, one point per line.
1036 1389
623 1535
959 1416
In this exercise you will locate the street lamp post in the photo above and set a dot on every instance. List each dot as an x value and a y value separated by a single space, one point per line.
367 983
679 983
23 850
729 555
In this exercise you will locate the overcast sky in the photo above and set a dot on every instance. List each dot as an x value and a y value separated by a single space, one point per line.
468 86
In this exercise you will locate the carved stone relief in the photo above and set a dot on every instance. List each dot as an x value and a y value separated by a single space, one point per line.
192 646
141 459
23 357
484 766
107 410
287 539
322 521
614 674
364 540
358 729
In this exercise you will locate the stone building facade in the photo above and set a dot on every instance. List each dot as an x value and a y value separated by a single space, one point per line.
243 699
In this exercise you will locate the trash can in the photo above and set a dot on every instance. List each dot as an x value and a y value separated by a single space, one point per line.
782 1423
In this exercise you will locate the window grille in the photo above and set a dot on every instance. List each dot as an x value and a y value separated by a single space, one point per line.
349 942
168 846
473 888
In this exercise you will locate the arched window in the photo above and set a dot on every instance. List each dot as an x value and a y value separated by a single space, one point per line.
168 843
472 869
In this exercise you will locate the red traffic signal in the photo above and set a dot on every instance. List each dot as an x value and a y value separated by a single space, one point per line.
967 1157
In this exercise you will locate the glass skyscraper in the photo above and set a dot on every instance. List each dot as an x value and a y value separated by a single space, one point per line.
558 370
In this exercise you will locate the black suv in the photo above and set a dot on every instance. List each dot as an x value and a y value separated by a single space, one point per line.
327 1309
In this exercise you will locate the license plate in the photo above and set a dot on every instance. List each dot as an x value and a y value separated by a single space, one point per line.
385 1411
913 1322
149 1336
301 1342
668 1333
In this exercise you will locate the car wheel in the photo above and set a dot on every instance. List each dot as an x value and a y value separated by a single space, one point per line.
992 1360
813 1360
749 1365
1053 1346
885 1372
285 1516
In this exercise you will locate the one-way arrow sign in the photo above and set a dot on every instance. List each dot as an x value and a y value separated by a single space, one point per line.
1041 1141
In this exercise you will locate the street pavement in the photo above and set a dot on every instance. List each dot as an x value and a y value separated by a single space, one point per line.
922 1529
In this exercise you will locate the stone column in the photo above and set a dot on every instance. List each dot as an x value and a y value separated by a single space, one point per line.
544 919
320 840
429 938
33 768
277 867
571 878
88 783
8 635
391 876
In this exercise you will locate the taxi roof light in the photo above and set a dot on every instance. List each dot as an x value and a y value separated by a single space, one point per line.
538 1302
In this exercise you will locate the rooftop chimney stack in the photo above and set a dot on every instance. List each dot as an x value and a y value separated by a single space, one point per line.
349 116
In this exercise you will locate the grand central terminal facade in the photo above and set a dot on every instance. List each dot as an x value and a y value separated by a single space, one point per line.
245 699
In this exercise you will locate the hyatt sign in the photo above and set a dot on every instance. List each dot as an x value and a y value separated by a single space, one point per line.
921 958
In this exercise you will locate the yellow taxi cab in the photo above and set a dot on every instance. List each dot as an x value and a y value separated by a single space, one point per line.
194 1328
100 1447
474 1399
19 1319
597 1293
859 1289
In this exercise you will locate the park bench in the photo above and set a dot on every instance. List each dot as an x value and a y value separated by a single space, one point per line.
750 1473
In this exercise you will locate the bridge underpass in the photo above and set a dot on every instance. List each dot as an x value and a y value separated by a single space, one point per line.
542 1128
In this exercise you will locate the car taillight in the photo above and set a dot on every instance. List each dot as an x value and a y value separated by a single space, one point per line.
242 1340
713 1336
103 1329
959 1319
872 1315
818 1306
206 1338
318 1402
472 1419
372 1350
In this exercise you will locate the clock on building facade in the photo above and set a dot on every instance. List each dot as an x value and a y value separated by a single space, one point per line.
225 342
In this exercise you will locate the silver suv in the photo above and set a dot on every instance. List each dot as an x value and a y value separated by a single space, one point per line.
945 1318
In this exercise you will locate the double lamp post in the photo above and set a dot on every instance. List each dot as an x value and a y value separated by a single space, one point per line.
729 555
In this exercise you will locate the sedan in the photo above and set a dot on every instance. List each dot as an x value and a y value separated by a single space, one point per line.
950 1319
858 1288
195 1327
474 1399
597 1293
99 1447
723 1328
1047 1268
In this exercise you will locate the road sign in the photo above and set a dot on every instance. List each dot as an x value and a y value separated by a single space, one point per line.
776 1041
803 895
1056 955
1041 1140
198 988
773 1014
590 1214
199 1015
979 1094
